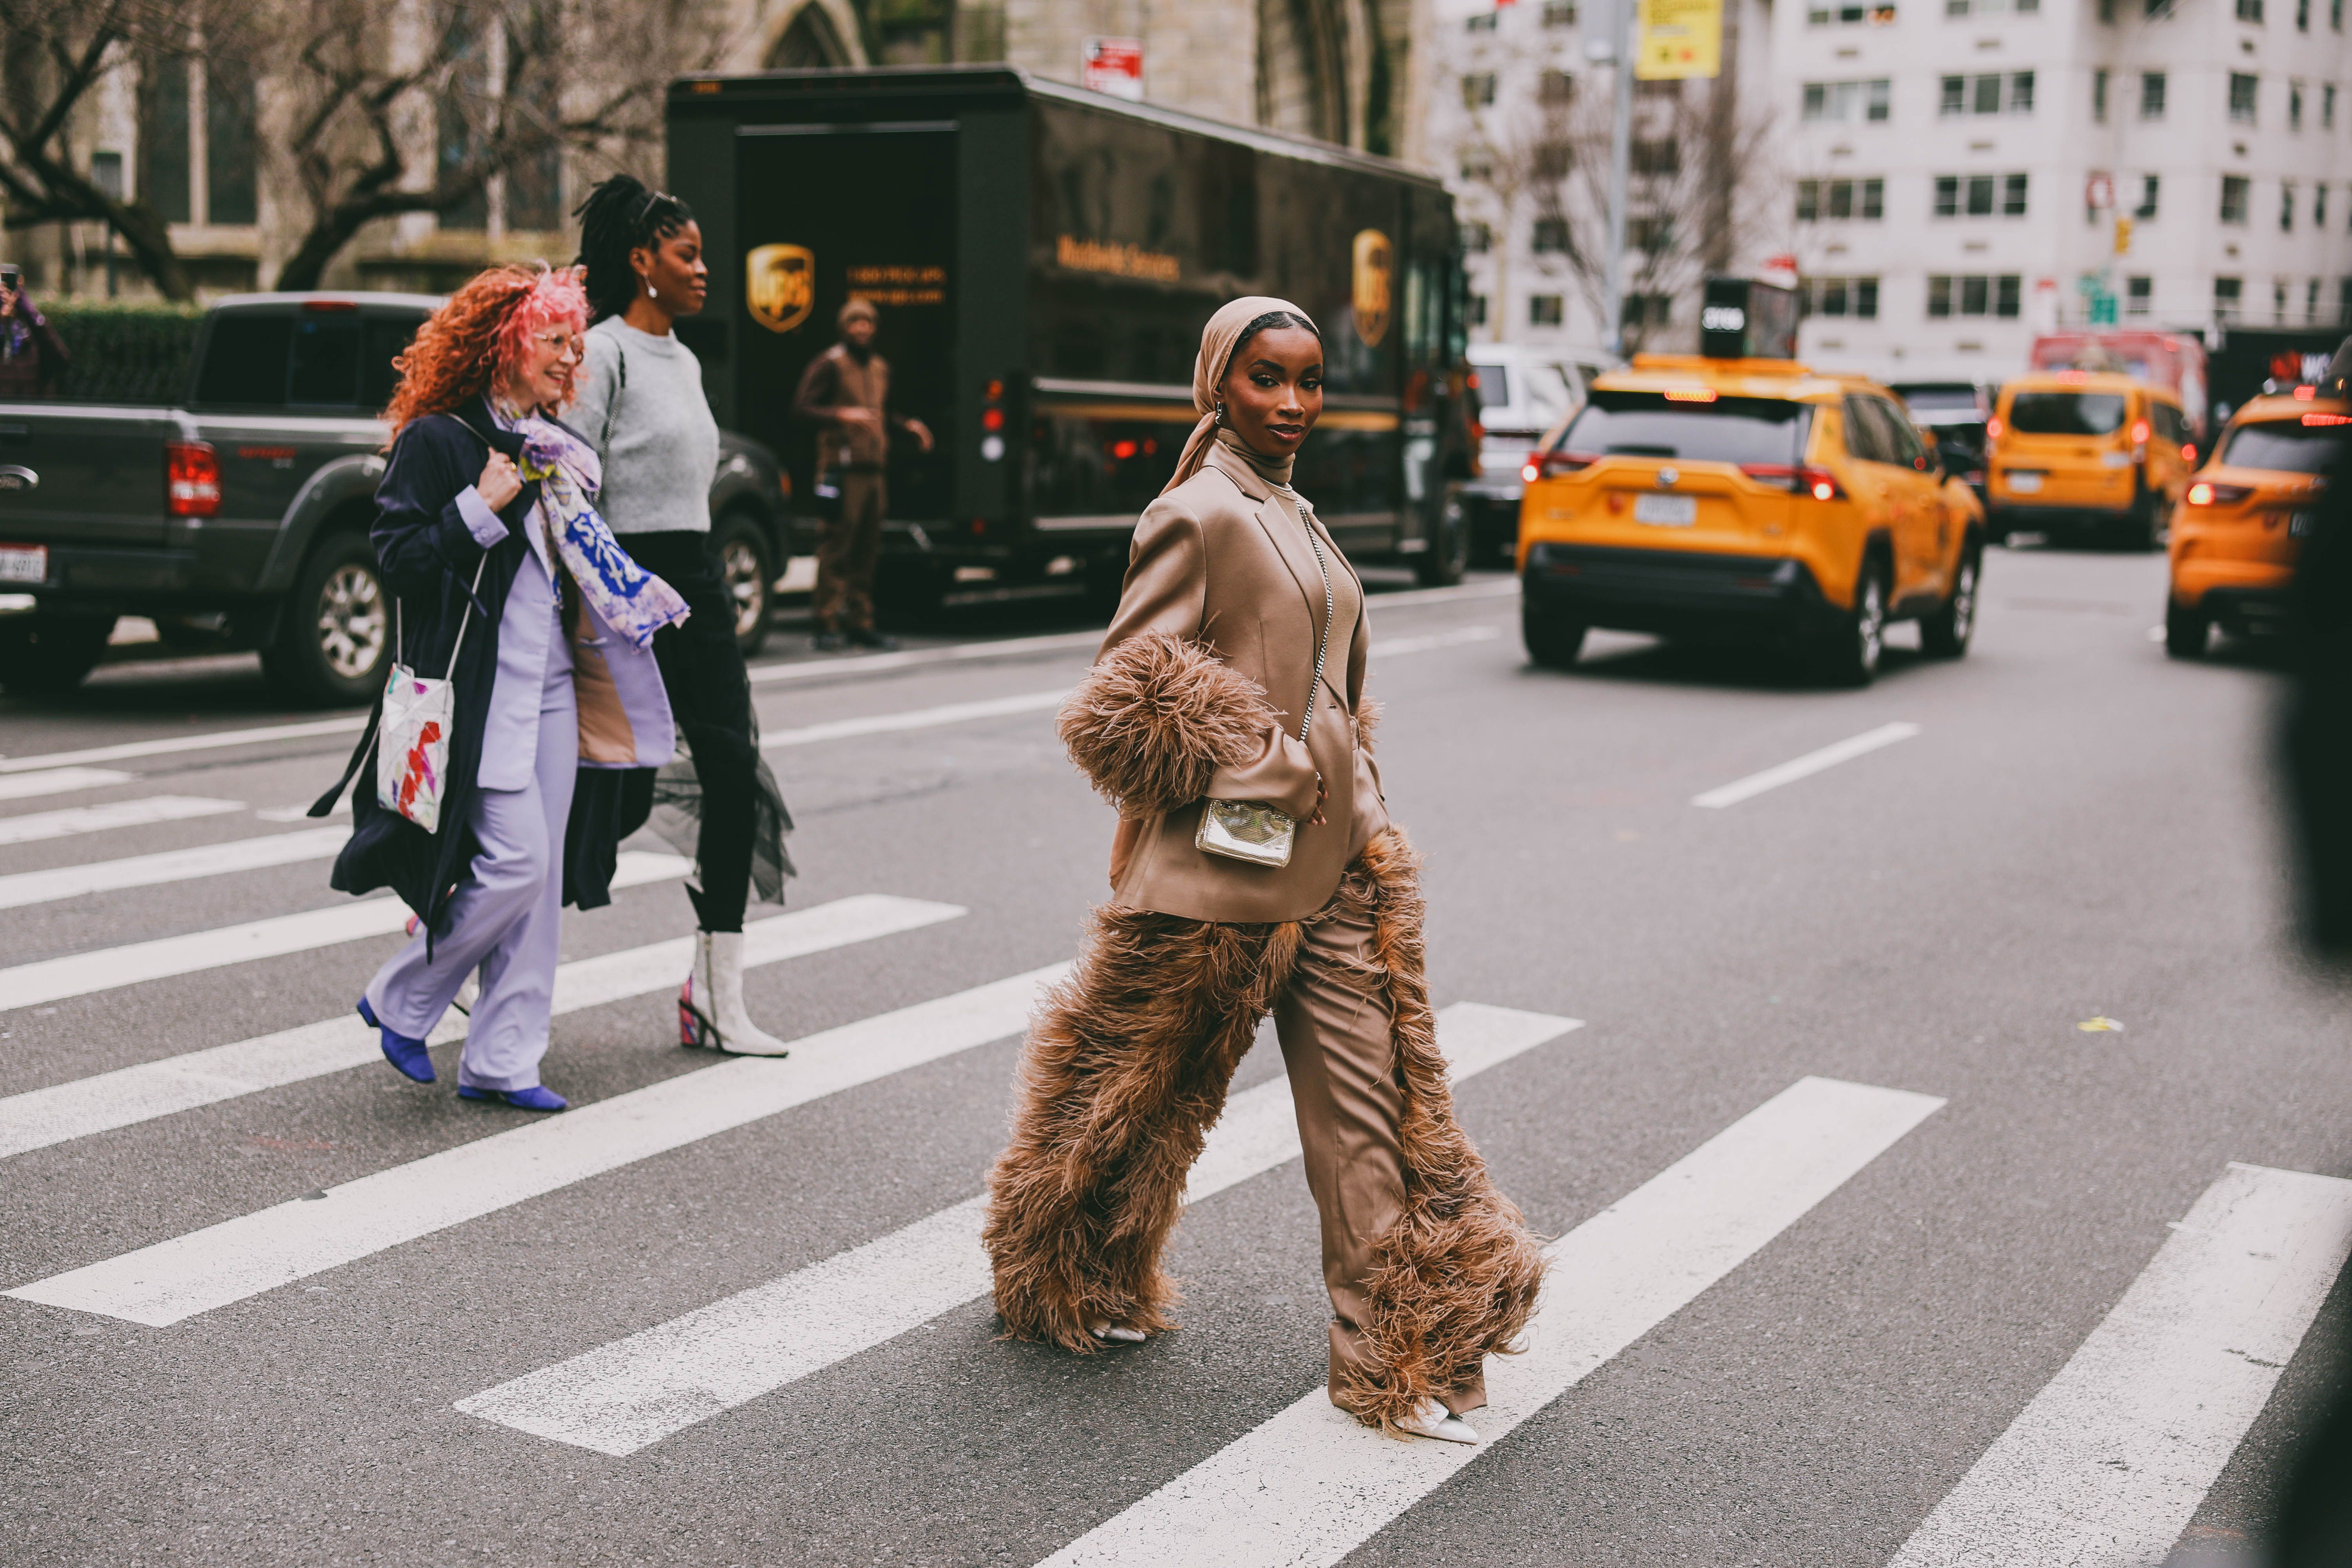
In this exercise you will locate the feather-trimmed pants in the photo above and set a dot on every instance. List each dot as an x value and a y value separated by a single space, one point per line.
1430 1269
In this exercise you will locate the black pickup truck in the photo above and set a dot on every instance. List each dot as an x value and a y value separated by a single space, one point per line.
239 517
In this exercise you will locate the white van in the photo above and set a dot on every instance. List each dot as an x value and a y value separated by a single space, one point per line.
1522 394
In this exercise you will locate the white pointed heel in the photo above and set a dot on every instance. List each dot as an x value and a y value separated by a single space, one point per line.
1115 1334
710 1004
1433 1420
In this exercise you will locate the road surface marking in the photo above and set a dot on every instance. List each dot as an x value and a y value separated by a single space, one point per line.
176 1279
351 724
1310 1486
1389 647
914 719
634 1392
41 1117
35 827
106 968
2111 1459
171 866
1805 766
60 780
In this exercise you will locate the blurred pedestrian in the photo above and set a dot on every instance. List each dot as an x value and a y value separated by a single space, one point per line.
641 403
846 390
1256 870
33 358
507 581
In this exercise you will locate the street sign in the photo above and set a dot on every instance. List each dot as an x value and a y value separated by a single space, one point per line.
1678 38
1114 66
2099 192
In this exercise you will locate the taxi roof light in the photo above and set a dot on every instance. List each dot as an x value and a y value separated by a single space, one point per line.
1690 394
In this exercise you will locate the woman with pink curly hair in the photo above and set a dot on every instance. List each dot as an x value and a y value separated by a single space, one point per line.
508 584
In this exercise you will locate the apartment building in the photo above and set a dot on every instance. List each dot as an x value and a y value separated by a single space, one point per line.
1965 174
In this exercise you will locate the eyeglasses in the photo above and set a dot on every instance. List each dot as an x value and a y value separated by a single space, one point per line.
567 345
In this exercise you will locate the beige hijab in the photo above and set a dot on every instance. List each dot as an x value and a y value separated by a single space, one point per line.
1218 340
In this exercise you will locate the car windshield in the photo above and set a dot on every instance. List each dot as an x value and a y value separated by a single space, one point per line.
1646 425
2067 413
2284 446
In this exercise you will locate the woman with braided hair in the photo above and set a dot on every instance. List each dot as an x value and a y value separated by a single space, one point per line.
1229 688
641 404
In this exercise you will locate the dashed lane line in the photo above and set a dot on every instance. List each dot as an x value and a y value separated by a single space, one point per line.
173 1280
634 1392
82 1106
1310 1486
1806 766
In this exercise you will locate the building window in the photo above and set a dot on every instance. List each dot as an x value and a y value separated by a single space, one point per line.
1809 200
2151 95
164 149
2249 10
1975 295
1990 7
1982 94
1547 309
1551 236
2229 295
1651 236
2108 13
1841 101
1555 88
1559 12
2343 302
1477 164
2012 195
2336 14
1478 90
2327 106
1657 157
2319 207
2138 294
1648 310
1981 195
2303 16
1955 96
1552 160
1477 238
1844 13
1863 199
2294 105
2099 96
2237 197
2149 188
1855 297
2241 98
2287 206
1475 312
2020 92
2278 302
2311 302
232 162
1484 22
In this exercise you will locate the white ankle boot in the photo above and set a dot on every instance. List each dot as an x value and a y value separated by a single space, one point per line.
710 1004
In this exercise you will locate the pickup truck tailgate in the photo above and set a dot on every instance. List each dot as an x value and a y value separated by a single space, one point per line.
96 474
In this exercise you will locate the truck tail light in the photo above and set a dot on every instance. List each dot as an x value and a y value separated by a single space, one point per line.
2204 492
192 482
1551 465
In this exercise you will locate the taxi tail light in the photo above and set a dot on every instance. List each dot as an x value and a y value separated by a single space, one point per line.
2204 492
1802 479
2139 432
192 480
1551 465
1993 428
1530 471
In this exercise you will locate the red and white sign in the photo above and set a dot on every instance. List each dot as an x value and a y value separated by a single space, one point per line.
1114 66
2099 193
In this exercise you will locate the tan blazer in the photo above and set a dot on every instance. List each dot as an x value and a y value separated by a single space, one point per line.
1222 561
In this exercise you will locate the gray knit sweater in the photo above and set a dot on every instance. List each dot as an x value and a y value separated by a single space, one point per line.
663 451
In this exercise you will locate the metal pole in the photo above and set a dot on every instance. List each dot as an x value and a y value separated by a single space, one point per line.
1621 166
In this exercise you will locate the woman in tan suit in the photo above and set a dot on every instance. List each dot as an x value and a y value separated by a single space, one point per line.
1241 629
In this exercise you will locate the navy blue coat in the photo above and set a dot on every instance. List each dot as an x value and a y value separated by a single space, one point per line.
429 558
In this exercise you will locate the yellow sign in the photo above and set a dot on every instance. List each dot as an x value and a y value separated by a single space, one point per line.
888 285
1119 260
1375 267
780 285
1678 38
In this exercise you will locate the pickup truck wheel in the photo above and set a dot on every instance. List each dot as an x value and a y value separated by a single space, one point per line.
748 575
335 638
1944 631
45 653
1849 655
1449 554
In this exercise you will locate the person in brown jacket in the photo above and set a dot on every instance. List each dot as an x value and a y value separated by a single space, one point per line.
846 390
1231 682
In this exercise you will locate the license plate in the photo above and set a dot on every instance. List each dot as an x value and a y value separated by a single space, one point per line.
2299 523
2024 484
23 562
1666 512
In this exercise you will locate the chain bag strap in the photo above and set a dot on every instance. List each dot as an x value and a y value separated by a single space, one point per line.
1245 830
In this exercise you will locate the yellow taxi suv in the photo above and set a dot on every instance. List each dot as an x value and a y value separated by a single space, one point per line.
1745 498
2083 454
2243 517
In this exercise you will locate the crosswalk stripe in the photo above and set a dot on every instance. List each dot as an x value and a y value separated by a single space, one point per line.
2109 1462
41 1117
1310 1486
176 1279
24 887
106 968
914 719
33 828
634 1392
170 745
1806 766
60 781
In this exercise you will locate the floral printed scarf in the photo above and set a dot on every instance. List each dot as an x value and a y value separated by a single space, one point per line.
625 596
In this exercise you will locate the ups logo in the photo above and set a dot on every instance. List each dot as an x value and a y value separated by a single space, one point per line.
1375 267
780 285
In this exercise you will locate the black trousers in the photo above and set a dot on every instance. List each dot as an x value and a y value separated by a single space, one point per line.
710 696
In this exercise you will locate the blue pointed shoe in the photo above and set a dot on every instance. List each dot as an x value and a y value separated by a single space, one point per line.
538 1096
408 1057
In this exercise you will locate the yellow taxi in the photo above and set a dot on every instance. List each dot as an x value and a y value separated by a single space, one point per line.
2243 516
2086 453
1712 498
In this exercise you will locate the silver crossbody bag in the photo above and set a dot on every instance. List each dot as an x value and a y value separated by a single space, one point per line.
1244 830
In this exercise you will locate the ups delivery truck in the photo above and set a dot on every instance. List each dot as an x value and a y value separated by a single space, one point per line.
1043 258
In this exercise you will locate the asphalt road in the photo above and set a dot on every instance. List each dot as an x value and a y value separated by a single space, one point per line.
1788 1320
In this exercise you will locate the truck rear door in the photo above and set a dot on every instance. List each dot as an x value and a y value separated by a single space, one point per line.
86 474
